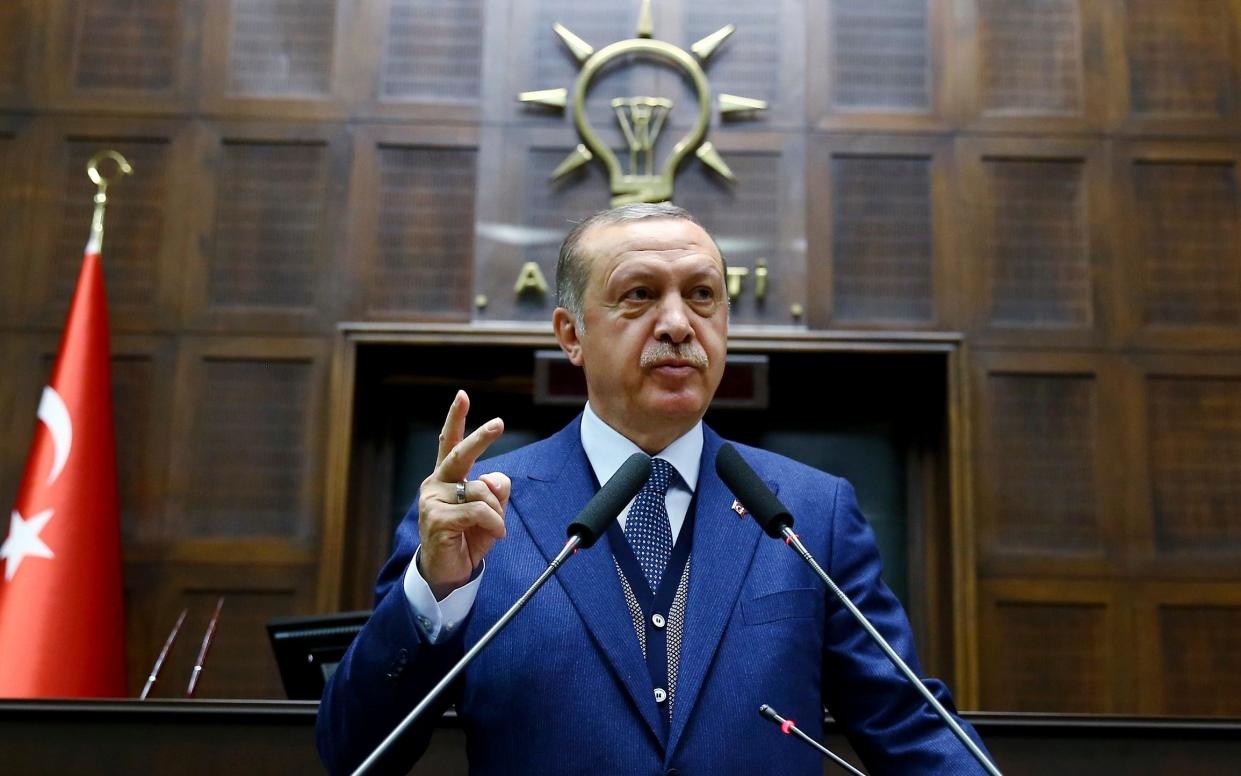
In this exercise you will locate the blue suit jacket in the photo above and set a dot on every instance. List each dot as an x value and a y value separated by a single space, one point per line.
564 689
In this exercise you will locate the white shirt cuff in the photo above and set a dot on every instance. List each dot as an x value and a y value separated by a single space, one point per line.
439 619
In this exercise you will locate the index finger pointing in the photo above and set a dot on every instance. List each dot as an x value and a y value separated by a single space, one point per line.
456 465
454 425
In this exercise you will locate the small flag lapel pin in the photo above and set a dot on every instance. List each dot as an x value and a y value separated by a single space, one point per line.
740 510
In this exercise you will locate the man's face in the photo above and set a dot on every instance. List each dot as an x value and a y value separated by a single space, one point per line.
656 327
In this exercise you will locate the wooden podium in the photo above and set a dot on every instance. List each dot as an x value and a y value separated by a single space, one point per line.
275 737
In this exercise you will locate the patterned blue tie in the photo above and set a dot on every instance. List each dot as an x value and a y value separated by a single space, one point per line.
647 527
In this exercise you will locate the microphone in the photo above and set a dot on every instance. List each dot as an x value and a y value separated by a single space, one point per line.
591 523
777 523
789 727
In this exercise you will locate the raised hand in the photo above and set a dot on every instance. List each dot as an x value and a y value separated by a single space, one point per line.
456 532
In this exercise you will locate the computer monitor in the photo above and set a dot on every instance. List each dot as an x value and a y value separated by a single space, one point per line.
308 649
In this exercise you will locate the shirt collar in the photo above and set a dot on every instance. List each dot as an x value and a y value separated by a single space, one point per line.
606 449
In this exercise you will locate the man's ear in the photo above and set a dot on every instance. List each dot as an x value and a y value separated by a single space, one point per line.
567 335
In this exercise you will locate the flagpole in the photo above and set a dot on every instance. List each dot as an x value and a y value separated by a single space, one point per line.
123 167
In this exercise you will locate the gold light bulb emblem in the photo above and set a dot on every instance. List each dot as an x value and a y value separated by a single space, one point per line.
641 118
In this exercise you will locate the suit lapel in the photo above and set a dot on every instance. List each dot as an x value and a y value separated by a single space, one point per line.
724 546
556 491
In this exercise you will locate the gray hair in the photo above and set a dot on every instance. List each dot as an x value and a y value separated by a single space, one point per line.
573 269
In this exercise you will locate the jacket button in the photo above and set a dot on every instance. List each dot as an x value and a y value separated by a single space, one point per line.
658 620
661 695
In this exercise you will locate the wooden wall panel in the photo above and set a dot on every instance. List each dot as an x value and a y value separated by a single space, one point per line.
269 225
1050 647
143 230
12 205
240 663
1031 57
102 50
1038 261
18 25
879 65
1049 478
1201 648
433 51
1195 452
258 54
1180 57
879 251
412 239
142 370
251 412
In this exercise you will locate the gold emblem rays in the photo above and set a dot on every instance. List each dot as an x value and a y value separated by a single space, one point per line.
642 117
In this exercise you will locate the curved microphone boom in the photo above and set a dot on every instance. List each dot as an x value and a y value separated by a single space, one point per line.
777 522
789 728
591 523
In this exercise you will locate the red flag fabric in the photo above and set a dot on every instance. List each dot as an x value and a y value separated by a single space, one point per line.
62 621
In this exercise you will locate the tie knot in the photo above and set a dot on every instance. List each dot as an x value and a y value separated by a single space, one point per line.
661 476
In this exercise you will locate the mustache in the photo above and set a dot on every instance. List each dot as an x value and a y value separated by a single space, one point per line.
660 352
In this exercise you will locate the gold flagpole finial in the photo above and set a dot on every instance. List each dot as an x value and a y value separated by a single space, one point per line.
123 167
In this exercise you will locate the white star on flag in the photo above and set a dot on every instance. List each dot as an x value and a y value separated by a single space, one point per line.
24 540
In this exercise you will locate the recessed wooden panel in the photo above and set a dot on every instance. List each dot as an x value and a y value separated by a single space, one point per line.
1188 219
1038 252
16 33
881 55
433 51
1195 458
134 229
282 49
1030 57
139 417
749 63
1047 656
1201 648
882 239
1180 58
1041 451
269 215
126 45
250 450
425 238
239 663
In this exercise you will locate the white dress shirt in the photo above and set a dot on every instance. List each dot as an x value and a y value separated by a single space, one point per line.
606 449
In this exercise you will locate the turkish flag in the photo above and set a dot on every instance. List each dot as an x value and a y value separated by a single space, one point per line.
62 618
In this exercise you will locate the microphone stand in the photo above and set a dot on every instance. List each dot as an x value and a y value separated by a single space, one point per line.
793 541
789 727
569 548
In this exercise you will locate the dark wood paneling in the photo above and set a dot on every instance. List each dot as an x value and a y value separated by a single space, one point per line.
1180 57
1037 261
251 411
1201 648
19 23
878 65
1049 647
412 237
240 663
258 54
1030 57
268 227
143 229
1189 215
119 56
879 243
1195 452
433 51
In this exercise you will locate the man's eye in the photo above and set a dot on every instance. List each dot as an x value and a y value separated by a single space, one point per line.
637 295
702 294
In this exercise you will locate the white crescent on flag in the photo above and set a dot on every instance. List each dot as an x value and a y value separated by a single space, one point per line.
55 415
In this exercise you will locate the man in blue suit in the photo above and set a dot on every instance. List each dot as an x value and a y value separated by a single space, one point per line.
650 653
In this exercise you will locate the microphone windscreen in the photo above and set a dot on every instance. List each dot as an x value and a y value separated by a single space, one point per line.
597 515
752 492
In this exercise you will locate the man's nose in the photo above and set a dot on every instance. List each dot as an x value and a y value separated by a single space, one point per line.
673 322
